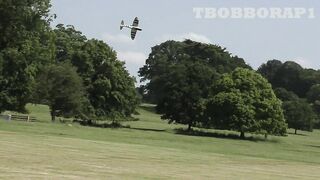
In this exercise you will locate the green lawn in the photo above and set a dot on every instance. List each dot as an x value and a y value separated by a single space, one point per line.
149 149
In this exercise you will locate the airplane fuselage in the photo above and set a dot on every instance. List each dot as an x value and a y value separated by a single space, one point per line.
133 27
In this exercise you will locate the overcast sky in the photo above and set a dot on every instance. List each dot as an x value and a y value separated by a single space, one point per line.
255 40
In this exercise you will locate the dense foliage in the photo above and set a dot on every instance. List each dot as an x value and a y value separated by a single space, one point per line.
192 83
293 84
285 95
28 46
180 74
299 115
25 42
244 101
109 86
187 84
60 87
289 75
313 97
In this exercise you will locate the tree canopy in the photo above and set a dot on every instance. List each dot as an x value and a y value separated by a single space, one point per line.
28 45
244 101
291 82
289 75
60 87
169 54
285 95
299 115
180 74
108 84
192 83
313 97
187 84
25 42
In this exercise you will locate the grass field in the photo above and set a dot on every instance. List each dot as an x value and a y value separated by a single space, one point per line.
149 149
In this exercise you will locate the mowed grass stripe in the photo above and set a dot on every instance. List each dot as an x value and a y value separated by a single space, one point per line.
33 156
292 148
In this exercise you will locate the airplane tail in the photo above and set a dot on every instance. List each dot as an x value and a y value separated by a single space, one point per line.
121 25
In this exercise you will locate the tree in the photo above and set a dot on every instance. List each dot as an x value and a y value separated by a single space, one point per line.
180 74
169 54
309 77
184 90
314 93
244 101
270 69
299 115
108 84
68 42
291 82
313 97
289 75
25 42
285 95
60 87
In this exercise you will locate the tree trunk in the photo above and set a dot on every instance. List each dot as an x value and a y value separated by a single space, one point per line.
242 135
265 136
189 127
295 131
53 116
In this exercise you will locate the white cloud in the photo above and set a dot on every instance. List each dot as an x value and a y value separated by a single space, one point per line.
180 37
134 61
132 57
117 38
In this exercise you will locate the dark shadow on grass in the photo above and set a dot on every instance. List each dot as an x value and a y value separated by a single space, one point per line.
220 135
298 134
148 129
102 125
118 125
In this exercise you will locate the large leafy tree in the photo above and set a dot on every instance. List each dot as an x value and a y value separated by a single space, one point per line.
180 74
286 75
170 54
68 42
292 82
313 97
25 42
184 90
60 87
244 101
109 86
299 115
270 69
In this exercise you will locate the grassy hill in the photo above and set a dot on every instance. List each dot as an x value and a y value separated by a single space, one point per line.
149 149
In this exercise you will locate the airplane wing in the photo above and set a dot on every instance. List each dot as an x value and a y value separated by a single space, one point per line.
133 33
135 22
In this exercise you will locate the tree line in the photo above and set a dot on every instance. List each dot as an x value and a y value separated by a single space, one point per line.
298 88
192 83
60 67
203 85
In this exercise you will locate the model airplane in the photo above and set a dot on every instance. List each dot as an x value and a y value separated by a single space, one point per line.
134 27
